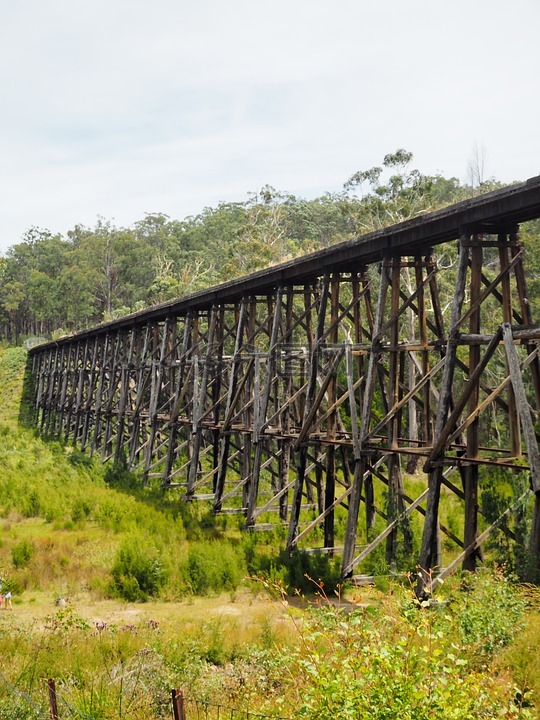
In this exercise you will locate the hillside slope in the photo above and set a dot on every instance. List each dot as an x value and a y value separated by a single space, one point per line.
69 522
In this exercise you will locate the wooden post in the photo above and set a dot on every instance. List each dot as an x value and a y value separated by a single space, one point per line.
176 398
260 418
309 400
198 406
470 475
231 397
371 374
179 709
361 477
529 433
429 553
330 480
288 387
507 315
526 312
52 699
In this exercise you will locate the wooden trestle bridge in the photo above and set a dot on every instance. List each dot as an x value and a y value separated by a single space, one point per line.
301 392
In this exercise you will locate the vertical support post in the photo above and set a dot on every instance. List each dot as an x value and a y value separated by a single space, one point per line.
175 409
216 389
99 394
310 397
82 378
260 418
430 551
155 393
361 459
198 407
513 416
284 444
470 474
531 442
330 480
394 464
233 384
251 411
141 382
372 373
526 312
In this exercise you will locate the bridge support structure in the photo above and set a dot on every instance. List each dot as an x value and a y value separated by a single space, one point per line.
309 393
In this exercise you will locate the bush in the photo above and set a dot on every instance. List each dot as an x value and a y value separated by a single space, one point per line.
22 553
81 510
212 567
305 570
138 571
380 664
487 631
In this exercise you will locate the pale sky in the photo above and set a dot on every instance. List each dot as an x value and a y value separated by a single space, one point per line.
117 108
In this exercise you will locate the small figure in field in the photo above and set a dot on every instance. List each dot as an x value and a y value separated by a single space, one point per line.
7 601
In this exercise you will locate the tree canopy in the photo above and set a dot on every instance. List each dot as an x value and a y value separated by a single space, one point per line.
52 284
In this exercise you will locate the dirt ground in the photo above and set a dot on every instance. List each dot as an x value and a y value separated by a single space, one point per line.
244 608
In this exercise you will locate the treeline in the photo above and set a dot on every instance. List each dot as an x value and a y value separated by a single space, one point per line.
52 284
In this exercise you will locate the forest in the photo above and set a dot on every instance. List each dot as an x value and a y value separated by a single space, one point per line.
53 285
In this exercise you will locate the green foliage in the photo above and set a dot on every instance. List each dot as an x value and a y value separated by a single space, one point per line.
119 475
382 663
213 566
304 570
488 614
76 457
22 553
509 541
138 572
52 285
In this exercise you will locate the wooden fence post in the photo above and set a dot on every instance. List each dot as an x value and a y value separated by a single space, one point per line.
52 699
178 705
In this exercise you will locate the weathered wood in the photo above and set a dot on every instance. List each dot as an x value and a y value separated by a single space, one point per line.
531 441
477 542
442 433
231 401
199 405
53 703
430 550
361 476
310 397
262 409
470 472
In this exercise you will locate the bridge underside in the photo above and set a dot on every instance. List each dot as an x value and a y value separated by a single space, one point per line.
310 401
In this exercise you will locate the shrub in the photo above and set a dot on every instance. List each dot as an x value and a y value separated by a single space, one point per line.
486 632
138 571
212 567
81 510
77 457
33 506
22 553
378 663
